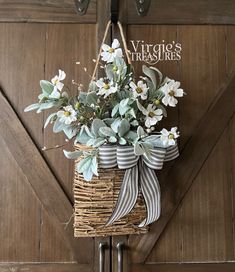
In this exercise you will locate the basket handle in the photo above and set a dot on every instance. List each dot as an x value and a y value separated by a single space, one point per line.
127 52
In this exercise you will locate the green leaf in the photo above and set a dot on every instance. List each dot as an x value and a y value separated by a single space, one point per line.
124 102
150 73
94 166
82 136
140 107
115 110
96 125
88 174
131 112
51 116
106 131
123 128
140 131
58 126
123 110
32 107
116 124
91 98
112 139
92 86
46 106
131 136
159 74
122 141
70 131
134 123
72 155
163 110
138 149
82 97
84 164
98 142
46 86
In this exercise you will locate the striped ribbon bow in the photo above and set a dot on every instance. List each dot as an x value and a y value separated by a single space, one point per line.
140 173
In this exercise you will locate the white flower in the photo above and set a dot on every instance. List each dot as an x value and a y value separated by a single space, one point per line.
171 90
140 89
106 88
169 137
58 85
111 52
153 115
68 115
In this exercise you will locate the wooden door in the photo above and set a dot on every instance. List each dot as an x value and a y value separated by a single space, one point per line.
37 39
196 228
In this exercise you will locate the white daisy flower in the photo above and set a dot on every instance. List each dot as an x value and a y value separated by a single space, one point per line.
153 115
106 88
111 52
68 115
140 89
58 85
171 90
169 137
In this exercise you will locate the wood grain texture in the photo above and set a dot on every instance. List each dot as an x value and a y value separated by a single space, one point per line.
38 174
184 12
19 207
228 267
42 267
65 45
62 11
189 164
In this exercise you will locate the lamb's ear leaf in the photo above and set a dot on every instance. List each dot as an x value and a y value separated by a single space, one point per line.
51 116
83 164
138 150
123 128
122 141
106 131
72 155
140 131
91 98
70 131
96 125
32 107
151 74
46 86
159 74
116 124
58 126
115 110
112 139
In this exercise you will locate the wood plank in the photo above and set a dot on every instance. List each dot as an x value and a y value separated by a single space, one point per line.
184 12
40 178
188 165
19 213
42 267
65 45
61 11
201 267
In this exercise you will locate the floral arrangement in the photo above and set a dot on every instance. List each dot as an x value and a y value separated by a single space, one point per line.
115 110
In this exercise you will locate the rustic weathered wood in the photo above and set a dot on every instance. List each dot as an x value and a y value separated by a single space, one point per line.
184 12
228 267
45 11
40 177
19 213
65 45
188 165
42 267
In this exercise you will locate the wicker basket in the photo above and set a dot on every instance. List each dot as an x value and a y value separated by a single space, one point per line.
94 202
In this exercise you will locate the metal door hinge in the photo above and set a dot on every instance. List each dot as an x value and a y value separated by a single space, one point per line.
81 6
142 6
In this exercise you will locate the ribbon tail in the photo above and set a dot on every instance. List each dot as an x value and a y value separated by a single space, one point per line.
127 196
152 195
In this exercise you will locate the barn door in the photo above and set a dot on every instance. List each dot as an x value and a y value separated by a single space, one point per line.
196 228
38 38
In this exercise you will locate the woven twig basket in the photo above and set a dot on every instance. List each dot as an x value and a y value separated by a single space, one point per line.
94 202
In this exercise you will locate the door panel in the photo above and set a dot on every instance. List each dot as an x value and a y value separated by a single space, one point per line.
198 227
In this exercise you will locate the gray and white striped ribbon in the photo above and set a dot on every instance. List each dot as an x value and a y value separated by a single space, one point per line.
140 172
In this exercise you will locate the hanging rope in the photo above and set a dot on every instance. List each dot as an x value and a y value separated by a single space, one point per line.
127 52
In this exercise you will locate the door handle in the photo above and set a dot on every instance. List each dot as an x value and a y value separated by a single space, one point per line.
120 247
102 246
